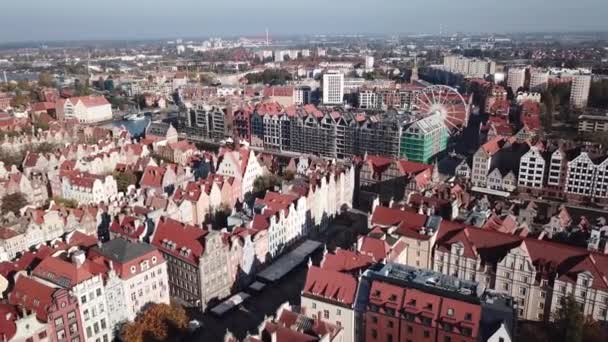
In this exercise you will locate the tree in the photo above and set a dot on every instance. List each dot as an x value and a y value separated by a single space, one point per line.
265 183
20 100
598 94
289 175
64 202
124 179
159 322
13 203
569 321
82 89
547 117
45 79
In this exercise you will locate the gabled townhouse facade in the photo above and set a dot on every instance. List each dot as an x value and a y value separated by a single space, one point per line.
86 188
197 262
137 276
241 164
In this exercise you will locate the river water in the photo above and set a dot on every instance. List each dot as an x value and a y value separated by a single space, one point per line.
136 128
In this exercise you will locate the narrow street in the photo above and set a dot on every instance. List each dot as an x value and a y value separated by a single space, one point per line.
248 316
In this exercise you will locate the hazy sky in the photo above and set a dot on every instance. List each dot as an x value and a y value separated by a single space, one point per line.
109 19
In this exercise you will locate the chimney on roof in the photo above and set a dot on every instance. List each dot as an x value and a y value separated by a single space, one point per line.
78 258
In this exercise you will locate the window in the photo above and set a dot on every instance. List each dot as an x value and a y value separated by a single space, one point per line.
447 339
89 332
427 334
325 313
389 337
338 312
83 299
103 323
390 324
314 305
58 321
96 328
42 335
522 291
98 292
374 319
450 312
468 316
374 333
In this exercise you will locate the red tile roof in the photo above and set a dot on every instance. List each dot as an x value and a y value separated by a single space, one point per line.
8 316
153 177
376 248
331 285
343 260
62 272
184 236
32 295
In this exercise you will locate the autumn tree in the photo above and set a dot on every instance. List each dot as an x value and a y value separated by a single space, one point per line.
159 322
13 203
45 79
64 202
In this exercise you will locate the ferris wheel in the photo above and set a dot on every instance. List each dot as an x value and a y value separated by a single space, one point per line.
443 101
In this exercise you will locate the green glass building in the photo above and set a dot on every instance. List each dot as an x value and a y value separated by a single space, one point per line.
422 140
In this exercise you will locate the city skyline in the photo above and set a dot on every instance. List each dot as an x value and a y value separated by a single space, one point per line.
72 20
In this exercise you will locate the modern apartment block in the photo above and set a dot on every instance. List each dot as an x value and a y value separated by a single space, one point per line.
516 78
205 121
382 99
469 67
579 94
592 123
424 139
333 88
539 80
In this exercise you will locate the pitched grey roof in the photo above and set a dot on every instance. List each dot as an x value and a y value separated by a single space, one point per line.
123 251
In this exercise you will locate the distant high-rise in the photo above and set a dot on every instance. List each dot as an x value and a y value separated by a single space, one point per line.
539 80
579 95
471 67
516 78
369 62
333 88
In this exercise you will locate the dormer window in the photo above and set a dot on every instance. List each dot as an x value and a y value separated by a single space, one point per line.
133 269
154 260
450 312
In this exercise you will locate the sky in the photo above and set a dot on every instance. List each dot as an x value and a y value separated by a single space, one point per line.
40 20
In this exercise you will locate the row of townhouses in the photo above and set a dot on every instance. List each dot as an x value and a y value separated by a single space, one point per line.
79 290
537 273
